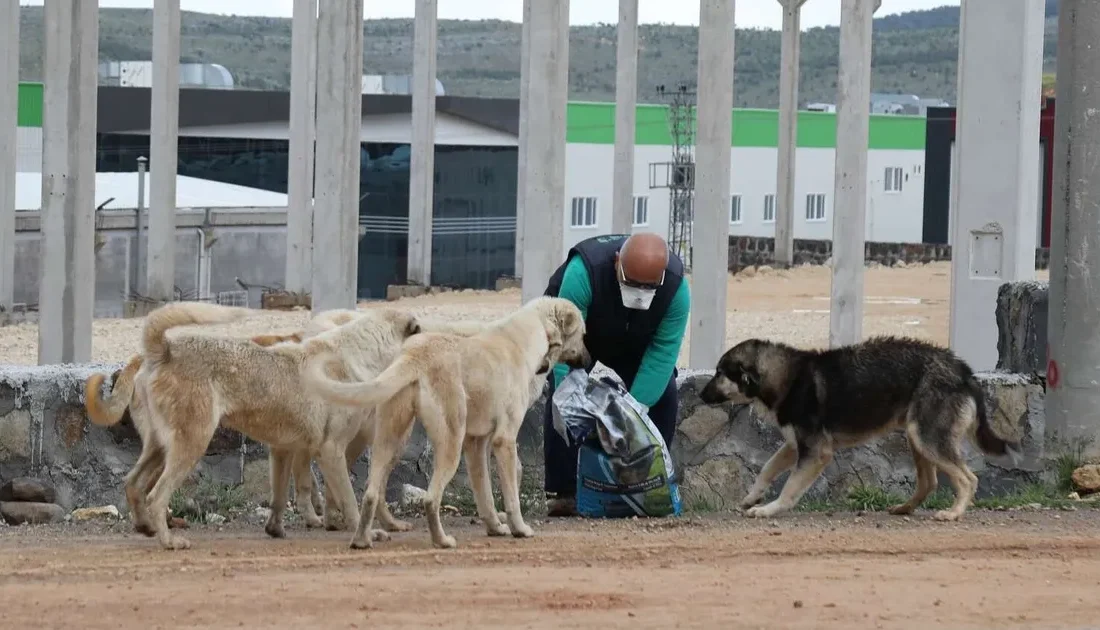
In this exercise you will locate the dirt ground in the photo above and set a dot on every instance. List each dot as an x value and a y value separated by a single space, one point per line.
826 571
790 306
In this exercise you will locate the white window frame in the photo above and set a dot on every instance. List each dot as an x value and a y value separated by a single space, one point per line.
769 204
584 213
737 216
893 180
815 208
641 208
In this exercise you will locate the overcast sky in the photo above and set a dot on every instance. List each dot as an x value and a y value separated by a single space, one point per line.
750 13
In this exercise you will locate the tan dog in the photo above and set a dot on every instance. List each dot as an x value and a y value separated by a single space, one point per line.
469 392
108 412
193 383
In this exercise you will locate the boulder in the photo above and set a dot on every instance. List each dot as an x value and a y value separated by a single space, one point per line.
28 489
1087 479
20 512
107 512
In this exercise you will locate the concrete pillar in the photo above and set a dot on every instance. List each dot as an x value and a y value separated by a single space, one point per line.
422 166
523 149
544 203
853 119
9 119
626 98
66 286
713 148
1073 368
788 132
163 151
303 133
339 129
997 150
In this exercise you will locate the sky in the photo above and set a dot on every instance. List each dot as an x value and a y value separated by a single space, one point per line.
749 13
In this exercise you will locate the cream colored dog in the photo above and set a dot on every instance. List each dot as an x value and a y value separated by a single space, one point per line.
469 392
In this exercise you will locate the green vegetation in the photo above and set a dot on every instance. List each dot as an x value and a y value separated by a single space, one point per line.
914 53
202 496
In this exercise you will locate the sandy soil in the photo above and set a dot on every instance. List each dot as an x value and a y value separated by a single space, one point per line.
791 306
992 570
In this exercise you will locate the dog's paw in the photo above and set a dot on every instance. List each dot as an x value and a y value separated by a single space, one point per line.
275 530
145 529
523 530
177 543
446 542
379 535
750 501
362 542
945 515
901 509
763 511
400 526
313 521
497 529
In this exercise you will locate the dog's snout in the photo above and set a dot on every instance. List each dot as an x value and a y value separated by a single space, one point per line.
711 393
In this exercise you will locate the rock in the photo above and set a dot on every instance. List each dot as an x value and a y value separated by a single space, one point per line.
1087 478
176 522
29 490
213 518
412 496
19 512
93 513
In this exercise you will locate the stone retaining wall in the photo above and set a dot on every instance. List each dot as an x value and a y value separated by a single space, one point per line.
747 251
718 450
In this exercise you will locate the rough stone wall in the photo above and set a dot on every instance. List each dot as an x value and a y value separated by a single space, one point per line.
1022 327
747 251
718 450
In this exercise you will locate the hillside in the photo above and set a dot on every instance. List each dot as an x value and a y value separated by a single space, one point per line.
914 52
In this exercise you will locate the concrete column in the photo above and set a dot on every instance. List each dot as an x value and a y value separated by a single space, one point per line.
1073 368
163 151
788 132
626 98
523 149
422 166
9 119
66 286
339 129
544 204
713 147
303 133
853 119
997 150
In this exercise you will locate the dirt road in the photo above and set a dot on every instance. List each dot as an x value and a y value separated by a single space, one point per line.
993 570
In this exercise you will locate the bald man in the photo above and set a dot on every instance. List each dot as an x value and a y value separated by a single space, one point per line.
632 292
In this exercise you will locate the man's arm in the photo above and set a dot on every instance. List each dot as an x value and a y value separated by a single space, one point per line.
575 287
660 357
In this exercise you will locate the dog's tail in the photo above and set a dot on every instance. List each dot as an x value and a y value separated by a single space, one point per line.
988 441
160 321
108 412
386 385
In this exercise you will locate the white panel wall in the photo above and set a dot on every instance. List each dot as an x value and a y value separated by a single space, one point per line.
28 149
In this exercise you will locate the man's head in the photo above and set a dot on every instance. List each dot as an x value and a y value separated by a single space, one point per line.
640 268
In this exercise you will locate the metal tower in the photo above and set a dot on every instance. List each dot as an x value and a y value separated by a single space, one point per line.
679 174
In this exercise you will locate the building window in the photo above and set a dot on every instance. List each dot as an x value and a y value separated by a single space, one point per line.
769 208
583 212
735 209
893 179
815 207
641 211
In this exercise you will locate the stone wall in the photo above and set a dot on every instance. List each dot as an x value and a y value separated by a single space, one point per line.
718 450
746 251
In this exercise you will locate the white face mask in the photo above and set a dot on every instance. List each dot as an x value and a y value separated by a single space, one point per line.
636 298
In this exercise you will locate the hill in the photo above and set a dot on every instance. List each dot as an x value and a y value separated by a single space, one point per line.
914 52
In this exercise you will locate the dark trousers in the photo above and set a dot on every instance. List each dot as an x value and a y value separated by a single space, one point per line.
561 461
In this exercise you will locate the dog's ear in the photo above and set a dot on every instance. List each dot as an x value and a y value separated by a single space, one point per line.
412 327
568 318
749 382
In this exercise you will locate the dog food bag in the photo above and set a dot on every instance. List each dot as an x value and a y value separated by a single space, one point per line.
623 464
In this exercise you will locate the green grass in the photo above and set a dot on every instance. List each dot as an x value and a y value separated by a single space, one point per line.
197 498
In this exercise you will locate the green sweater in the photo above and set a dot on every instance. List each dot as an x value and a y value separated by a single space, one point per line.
660 357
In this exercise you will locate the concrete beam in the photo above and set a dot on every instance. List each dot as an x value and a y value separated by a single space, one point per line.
997 183
626 98
522 148
9 119
853 117
544 187
339 123
66 292
788 131
422 166
710 234
303 133
1073 368
163 152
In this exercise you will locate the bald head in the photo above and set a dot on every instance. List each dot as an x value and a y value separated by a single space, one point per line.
643 258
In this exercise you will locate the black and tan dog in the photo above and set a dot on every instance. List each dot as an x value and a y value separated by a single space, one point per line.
843 397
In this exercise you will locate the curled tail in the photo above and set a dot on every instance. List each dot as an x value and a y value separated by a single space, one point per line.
108 412
174 314
988 441
386 385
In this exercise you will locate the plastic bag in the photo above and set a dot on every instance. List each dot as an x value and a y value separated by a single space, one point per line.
623 464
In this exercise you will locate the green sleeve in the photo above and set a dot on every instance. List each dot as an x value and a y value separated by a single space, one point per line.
660 357
577 288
